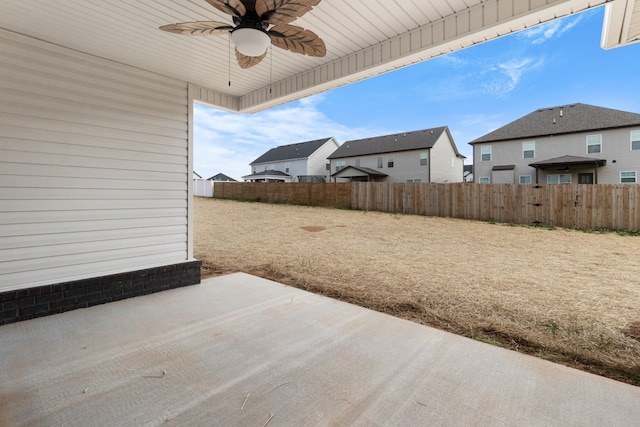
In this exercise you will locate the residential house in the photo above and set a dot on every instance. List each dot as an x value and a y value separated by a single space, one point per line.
220 177
196 175
428 155
575 143
300 162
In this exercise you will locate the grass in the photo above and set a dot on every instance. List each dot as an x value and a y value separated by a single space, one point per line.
568 297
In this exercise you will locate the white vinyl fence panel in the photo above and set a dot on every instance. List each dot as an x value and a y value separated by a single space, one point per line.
202 188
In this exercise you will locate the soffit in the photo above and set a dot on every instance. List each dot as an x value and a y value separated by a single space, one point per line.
364 38
622 24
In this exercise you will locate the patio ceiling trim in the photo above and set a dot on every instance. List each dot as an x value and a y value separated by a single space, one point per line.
477 24
621 24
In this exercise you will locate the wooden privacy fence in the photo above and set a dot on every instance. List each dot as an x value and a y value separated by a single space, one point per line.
615 206
331 194
612 206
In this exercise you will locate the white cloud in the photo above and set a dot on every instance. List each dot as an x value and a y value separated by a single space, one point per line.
514 70
553 29
228 142
494 76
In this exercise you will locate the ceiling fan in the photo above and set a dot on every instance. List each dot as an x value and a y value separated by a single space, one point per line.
256 23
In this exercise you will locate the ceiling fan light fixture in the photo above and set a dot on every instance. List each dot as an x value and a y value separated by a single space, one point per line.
250 41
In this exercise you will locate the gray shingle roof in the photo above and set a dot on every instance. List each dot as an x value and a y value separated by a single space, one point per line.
568 160
569 118
300 150
221 177
420 139
270 172
367 171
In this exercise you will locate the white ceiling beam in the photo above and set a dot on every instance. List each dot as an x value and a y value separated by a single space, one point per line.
621 23
215 99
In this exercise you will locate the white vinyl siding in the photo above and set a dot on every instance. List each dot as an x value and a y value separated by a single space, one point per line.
628 177
485 153
635 140
528 150
594 144
94 166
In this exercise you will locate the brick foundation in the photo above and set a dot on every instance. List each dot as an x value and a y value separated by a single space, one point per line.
40 301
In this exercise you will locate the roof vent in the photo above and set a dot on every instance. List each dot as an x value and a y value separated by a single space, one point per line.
554 121
561 112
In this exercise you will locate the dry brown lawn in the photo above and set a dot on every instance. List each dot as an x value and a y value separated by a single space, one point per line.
565 295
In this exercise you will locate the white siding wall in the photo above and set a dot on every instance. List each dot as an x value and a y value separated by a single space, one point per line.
406 166
94 175
296 168
445 165
317 162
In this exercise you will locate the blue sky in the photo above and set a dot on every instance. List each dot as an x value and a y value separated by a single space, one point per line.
473 91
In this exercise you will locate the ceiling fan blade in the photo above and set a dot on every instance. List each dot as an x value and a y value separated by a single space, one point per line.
280 12
298 40
232 7
199 28
245 61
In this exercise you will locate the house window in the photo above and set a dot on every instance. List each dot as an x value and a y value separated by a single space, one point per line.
413 181
423 159
390 162
528 150
341 164
484 180
635 139
559 178
628 177
379 162
525 179
594 144
287 166
357 162
485 153
328 166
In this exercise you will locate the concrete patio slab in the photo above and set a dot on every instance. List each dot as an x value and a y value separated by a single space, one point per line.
238 350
